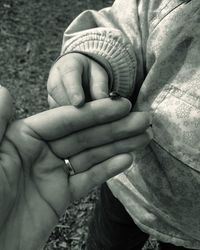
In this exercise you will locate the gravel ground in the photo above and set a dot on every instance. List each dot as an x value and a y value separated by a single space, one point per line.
30 40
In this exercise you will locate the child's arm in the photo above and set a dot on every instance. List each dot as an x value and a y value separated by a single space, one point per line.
114 37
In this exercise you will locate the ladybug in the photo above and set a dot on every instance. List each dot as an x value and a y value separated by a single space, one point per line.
114 95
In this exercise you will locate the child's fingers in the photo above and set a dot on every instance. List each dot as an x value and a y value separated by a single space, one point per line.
59 122
98 81
72 81
74 78
52 102
6 109
71 69
81 184
56 89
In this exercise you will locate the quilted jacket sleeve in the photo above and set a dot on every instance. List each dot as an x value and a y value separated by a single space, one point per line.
113 37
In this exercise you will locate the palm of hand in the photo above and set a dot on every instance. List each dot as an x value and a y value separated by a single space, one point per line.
30 182
34 190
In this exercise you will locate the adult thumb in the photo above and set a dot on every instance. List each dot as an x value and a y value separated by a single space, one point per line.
6 110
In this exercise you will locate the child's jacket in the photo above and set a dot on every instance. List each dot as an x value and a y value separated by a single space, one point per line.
152 47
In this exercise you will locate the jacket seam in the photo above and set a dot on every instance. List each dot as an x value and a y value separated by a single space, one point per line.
165 15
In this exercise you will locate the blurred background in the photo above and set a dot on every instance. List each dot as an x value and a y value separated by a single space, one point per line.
30 40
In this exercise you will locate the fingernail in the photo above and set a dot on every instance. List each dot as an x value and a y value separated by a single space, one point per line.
149 131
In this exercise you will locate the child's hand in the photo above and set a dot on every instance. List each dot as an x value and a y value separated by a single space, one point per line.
75 79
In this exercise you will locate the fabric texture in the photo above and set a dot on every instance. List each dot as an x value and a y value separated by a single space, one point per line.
155 57
110 45
111 228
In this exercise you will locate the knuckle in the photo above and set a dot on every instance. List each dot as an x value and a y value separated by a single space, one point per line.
95 179
145 118
119 131
75 163
115 148
113 133
52 88
141 141
68 64
52 103
66 69
54 147
81 140
91 157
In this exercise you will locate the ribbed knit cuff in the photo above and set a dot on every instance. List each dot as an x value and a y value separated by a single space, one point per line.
111 45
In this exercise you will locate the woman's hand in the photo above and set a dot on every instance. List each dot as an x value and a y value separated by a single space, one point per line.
6 110
34 187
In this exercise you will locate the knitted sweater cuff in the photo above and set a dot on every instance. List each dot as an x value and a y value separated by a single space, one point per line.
113 47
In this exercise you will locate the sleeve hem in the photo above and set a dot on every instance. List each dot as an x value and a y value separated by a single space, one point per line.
115 49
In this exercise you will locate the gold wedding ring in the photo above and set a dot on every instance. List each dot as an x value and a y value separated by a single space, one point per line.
69 169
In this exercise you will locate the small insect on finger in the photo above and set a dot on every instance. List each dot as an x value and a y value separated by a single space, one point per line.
114 95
